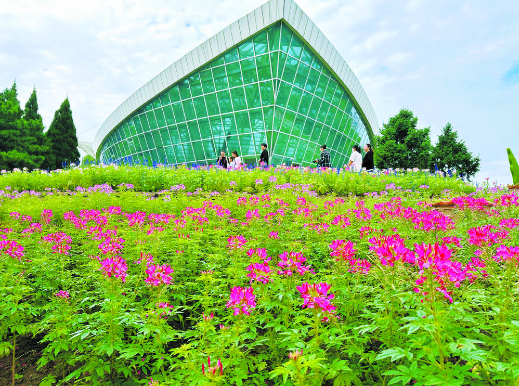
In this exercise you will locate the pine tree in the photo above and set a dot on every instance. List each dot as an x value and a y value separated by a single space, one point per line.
31 108
401 144
18 148
35 141
63 138
451 153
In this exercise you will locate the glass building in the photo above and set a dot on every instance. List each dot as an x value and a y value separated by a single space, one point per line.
239 89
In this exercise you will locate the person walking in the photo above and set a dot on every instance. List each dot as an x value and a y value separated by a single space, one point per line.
237 160
367 162
222 160
355 159
264 157
326 158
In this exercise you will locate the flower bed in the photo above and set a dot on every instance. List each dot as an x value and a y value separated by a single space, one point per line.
278 287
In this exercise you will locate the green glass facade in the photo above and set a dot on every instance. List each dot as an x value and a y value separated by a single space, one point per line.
269 88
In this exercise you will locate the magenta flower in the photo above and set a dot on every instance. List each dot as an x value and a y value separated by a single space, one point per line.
260 252
208 318
316 296
342 250
390 249
212 372
359 266
295 355
241 300
273 235
159 274
60 241
484 236
236 242
12 248
259 272
505 253
62 294
114 266
46 216
291 262
452 240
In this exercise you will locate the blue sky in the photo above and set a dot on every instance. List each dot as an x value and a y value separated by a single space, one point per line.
448 61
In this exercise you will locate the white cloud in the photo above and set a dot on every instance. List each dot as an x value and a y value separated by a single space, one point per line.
444 60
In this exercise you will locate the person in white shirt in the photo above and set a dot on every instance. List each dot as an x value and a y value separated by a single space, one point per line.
237 160
356 158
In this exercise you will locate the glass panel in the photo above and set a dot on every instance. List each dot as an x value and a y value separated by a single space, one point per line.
164 134
207 81
209 150
242 122
288 122
314 108
273 37
302 74
312 80
164 99
229 124
304 106
168 113
316 132
290 70
144 123
148 107
267 93
324 135
300 151
170 155
278 118
291 147
307 128
142 142
156 138
274 57
296 46
220 78
281 144
247 145
246 49
184 89
256 120
337 96
189 109
238 98
297 129
260 43
283 94
306 56
295 98
323 111
162 155
220 145
131 126
330 117
316 63
199 150
159 116
248 67
234 74
212 104
216 126
263 64
321 86
233 144
188 152
200 109
231 55
217 62
174 95
194 84
182 130
267 117
205 128
337 120
224 100
179 153
328 95
286 37
193 130
253 95
179 112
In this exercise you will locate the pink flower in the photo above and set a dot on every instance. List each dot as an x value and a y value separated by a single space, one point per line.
260 252
273 235
241 300
114 266
452 240
316 296
295 355
259 272
12 248
342 250
390 249
212 372
159 274
483 236
46 216
359 266
291 262
207 318
236 242
62 294
60 241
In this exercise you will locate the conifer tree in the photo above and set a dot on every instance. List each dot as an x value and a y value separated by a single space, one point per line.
18 146
31 108
63 139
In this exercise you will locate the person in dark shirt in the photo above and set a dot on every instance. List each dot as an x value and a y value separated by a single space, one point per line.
264 157
222 160
325 161
367 162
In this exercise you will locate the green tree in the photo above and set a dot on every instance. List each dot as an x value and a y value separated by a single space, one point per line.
36 142
88 160
63 138
18 148
451 153
31 108
401 144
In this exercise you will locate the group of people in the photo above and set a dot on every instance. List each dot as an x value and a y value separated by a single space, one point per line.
356 161
235 162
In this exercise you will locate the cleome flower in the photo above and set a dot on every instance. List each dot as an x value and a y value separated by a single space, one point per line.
293 262
241 300
316 296
159 274
259 272
212 372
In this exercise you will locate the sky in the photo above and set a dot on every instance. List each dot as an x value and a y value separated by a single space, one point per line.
448 61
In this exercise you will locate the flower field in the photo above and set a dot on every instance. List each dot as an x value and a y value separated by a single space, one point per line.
257 283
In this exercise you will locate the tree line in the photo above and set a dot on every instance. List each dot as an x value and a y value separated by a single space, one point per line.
401 145
24 143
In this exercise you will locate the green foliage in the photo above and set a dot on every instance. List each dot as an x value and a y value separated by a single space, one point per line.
514 167
22 143
31 108
62 138
451 153
88 160
113 332
401 145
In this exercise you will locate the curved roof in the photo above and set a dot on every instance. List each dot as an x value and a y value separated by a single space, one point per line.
260 18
